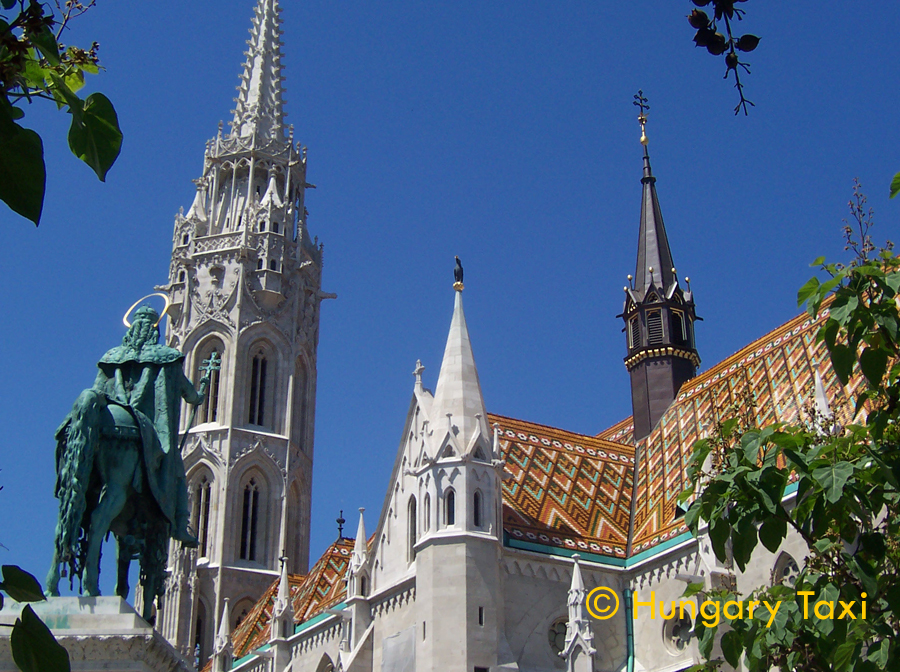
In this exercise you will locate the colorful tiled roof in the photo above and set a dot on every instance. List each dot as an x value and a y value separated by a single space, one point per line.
567 490
621 432
776 372
322 588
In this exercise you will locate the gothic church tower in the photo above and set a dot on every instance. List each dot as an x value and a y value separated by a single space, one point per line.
659 315
245 283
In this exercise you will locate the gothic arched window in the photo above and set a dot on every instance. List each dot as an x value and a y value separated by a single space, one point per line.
258 388
250 520
273 265
411 530
259 264
654 327
476 509
426 522
679 333
450 508
209 410
201 493
275 227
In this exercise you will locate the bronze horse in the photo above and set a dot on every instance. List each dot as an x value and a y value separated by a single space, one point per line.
119 467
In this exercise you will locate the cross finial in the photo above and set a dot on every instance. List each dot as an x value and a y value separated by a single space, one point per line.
418 372
641 102
340 521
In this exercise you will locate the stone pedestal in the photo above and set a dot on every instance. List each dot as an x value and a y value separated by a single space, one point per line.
100 633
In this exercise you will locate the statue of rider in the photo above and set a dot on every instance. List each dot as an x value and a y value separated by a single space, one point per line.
137 395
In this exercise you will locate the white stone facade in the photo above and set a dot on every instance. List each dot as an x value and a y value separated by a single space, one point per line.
245 283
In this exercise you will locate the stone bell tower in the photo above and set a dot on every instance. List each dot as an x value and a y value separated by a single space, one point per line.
245 283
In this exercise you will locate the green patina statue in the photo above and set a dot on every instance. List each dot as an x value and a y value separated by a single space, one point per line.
119 466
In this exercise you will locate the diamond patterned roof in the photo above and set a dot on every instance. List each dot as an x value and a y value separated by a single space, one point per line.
322 588
773 378
567 490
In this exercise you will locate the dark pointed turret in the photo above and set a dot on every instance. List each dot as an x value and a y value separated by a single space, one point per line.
659 315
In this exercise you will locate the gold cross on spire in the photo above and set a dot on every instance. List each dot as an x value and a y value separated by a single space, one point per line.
641 102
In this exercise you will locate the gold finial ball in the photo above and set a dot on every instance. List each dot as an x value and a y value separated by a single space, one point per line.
650 269
687 279
673 270
644 140
625 289
630 277
458 286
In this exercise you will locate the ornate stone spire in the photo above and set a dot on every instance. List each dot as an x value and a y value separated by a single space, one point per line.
579 649
360 547
260 109
222 651
457 395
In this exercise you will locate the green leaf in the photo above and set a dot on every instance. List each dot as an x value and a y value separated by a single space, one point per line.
692 589
772 532
46 43
732 647
808 289
20 585
832 479
34 648
895 185
844 655
22 172
879 652
818 262
873 363
842 360
94 136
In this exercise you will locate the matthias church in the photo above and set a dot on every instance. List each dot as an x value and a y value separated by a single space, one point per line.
494 530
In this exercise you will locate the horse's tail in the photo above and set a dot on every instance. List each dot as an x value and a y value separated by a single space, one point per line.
75 458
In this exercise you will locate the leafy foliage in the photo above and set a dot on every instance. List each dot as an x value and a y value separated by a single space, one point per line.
846 505
717 44
33 65
34 648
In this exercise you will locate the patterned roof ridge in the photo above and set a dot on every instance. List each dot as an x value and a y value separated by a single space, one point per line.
496 418
775 374
621 432
311 594
572 491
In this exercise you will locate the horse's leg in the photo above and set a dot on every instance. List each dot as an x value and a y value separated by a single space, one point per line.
112 499
123 560
52 580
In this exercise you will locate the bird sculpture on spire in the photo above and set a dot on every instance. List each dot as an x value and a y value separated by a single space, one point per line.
458 276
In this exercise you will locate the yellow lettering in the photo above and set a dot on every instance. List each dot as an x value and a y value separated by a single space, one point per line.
772 611
846 612
750 607
805 593
638 603
829 616
662 610
740 606
707 617
692 606
863 603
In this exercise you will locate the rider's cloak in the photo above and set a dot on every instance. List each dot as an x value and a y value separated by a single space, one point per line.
149 384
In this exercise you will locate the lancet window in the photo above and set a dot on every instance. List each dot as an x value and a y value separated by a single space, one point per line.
201 494
209 410
476 509
411 530
450 508
258 367
250 521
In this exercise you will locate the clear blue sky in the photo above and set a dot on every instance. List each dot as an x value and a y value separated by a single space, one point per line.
501 132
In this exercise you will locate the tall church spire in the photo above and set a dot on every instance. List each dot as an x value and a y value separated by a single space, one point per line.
457 396
260 110
659 315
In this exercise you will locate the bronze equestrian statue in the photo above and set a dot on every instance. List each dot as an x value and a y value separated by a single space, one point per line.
119 466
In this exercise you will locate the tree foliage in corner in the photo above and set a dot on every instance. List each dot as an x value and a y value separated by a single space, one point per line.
717 43
34 648
34 65
847 502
